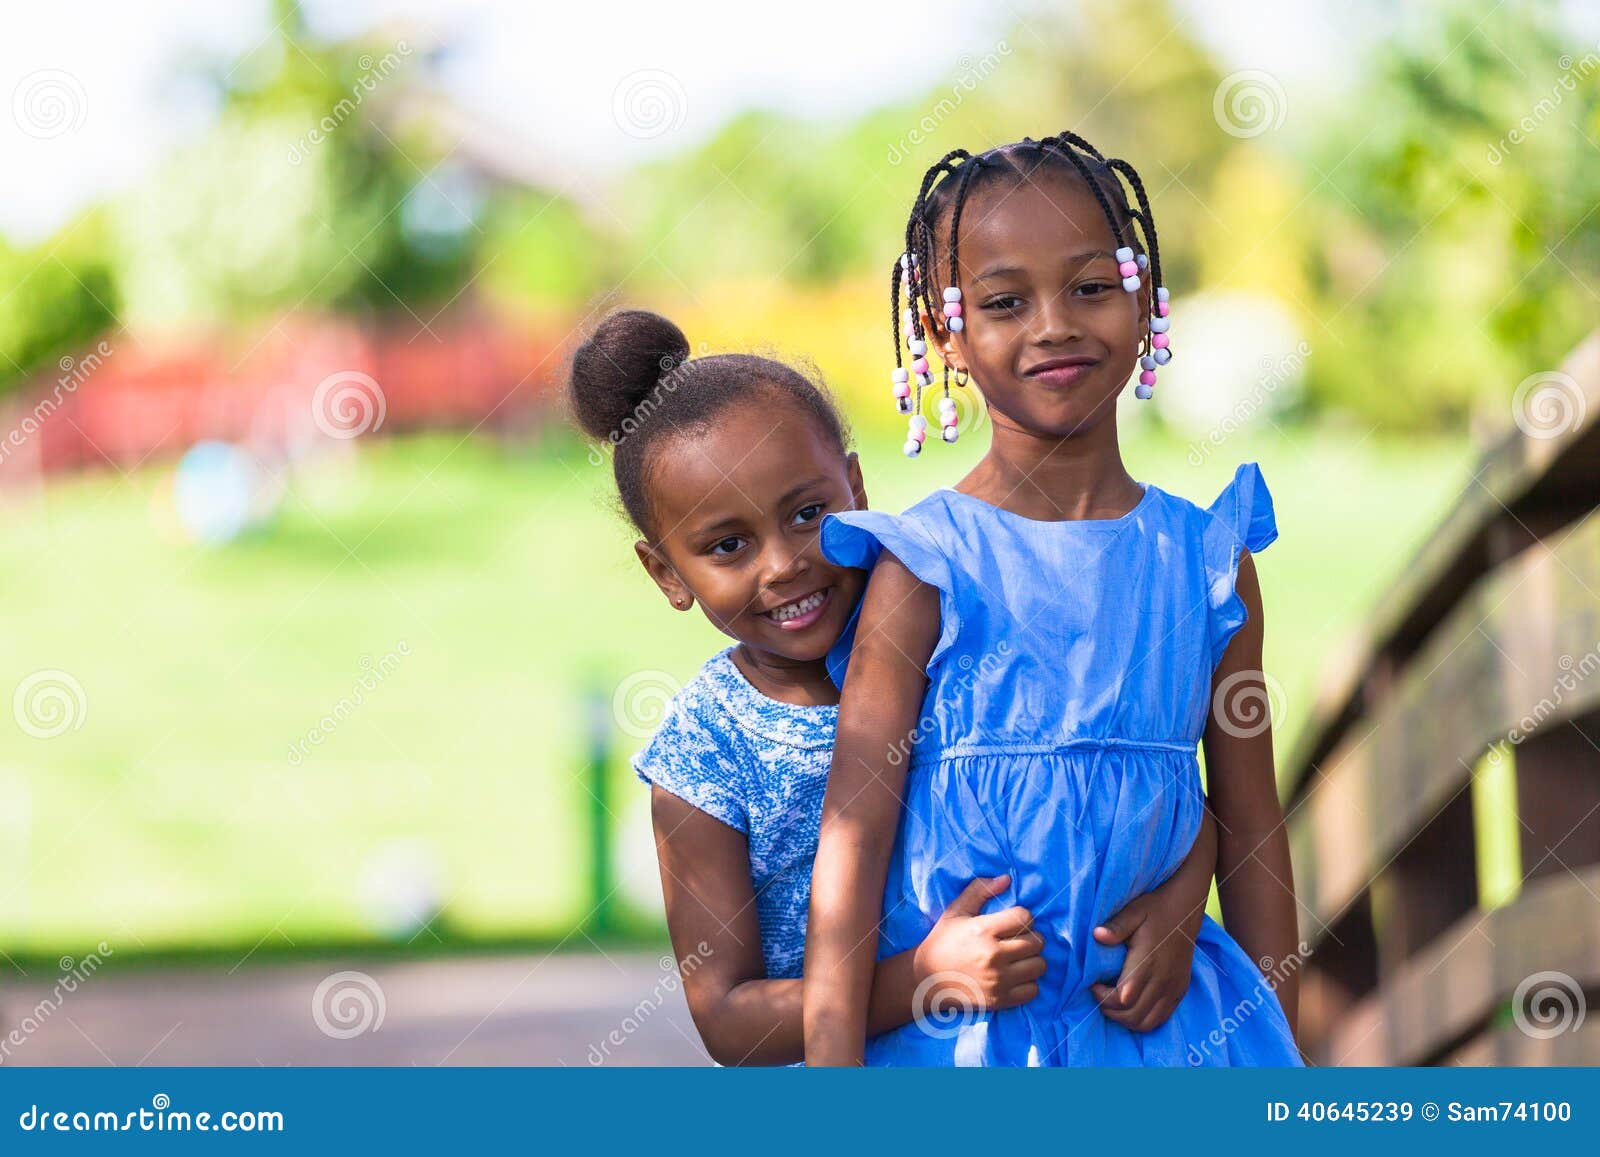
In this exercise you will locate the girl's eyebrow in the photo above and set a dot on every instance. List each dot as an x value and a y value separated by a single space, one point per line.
1011 270
795 491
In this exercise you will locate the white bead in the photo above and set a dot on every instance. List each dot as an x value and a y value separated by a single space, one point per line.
947 404
905 318
912 448
1131 284
918 346
925 380
1161 293
952 294
1159 324
951 434
919 423
956 324
1143 391
905 262
902 375
1142 261
1123 254
1162 357
904 405
1147 362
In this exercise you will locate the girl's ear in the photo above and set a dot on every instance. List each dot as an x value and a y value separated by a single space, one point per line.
858 487
941 339
662 574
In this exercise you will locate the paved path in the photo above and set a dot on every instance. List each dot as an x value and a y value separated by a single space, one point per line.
566 1009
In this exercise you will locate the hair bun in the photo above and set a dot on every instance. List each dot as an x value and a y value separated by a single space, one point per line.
621 363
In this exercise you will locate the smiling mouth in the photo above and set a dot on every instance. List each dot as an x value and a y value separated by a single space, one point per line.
1062 372
801 613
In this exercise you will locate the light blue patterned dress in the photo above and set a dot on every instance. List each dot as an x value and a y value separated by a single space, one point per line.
759 766
1068 691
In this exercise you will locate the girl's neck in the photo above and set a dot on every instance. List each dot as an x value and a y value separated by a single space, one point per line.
802 682
1051 479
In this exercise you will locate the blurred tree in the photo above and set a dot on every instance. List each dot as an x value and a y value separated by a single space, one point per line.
1457 245
297 196
58 295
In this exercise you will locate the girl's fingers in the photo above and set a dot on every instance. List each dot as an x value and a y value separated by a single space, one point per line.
1019 947
1106 996
1021 994
1009 922
1025 970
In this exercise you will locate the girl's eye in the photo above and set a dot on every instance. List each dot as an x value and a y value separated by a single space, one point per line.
1090 288
808 513
1003 302
726 546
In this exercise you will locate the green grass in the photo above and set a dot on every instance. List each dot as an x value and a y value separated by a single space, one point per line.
173 816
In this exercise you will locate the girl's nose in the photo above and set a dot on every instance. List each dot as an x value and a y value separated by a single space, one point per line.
1056 322
786 566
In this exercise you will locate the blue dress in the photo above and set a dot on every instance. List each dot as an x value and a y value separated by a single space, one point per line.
1067 694
761 767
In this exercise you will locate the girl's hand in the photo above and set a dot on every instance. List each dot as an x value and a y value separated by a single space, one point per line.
984 962
1159 928
1155 975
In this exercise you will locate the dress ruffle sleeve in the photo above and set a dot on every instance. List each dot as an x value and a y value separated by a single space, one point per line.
1241 517
856 538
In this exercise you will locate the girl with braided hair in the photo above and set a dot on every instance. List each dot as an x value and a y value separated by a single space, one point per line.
1055 638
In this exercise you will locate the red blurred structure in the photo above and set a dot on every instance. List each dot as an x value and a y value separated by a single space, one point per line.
127 400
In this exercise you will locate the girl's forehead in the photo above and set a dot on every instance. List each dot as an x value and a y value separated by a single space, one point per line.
749 458
1042 211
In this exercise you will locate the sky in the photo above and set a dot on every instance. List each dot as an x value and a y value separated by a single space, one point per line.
96 93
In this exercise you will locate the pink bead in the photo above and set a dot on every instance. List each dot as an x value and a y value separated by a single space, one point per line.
1148 377
920 366
952 309
902 389
949 418
1128 269
918 436
1163 308
1159 341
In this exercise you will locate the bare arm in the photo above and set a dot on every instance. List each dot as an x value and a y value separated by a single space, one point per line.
878 709
1254 873
743 1018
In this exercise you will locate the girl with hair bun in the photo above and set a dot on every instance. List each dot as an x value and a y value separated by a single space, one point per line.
726 466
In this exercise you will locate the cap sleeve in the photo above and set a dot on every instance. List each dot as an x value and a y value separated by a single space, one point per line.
690 758
856 538
1242 516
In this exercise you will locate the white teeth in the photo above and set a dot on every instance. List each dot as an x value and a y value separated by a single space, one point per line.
795 610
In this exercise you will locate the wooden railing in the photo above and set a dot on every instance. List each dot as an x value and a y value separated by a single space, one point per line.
1483 665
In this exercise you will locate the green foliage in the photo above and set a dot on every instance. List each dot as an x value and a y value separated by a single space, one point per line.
57 296
1457 218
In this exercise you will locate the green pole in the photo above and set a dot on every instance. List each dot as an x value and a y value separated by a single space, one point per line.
601 882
